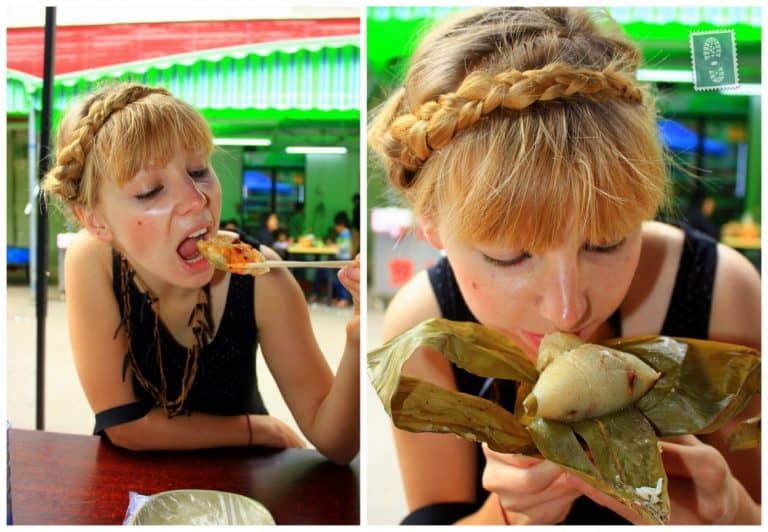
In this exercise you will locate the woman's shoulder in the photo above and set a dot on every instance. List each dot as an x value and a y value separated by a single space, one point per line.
88 254
412 304
736 300
658 235
645 305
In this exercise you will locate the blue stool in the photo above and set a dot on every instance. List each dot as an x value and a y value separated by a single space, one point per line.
18 257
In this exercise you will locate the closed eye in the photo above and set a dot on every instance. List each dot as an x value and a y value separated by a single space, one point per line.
198 174
149 194
604 249
507 262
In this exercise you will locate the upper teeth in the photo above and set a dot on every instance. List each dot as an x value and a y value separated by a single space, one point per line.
201 232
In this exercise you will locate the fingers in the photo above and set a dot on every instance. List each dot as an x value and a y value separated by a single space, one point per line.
517 460
550 511
604 500
349 276
530 474
687 456
532 489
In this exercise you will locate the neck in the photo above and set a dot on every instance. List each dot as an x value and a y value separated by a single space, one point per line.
164 291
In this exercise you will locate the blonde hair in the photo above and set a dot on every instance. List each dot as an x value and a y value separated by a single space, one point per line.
512 121
116 132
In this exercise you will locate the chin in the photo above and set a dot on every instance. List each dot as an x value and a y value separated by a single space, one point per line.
193 278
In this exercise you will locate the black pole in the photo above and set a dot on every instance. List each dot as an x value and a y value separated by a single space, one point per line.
41 286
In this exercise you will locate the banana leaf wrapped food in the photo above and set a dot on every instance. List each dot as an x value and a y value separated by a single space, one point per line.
596 410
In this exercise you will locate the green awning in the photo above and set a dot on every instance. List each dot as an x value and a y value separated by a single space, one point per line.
690 16
317 75
18 91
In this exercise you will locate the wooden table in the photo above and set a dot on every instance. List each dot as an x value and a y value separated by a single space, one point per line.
77 480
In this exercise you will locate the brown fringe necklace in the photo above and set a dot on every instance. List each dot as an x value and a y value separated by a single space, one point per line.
201 322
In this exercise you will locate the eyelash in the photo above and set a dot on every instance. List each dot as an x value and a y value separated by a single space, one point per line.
198 174
194 174
604 249
525 255
510 262
150 194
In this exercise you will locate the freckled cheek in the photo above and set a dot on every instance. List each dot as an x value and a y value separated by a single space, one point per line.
139 233
482 294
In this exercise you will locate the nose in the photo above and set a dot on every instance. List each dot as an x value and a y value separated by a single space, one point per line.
564 301
192 198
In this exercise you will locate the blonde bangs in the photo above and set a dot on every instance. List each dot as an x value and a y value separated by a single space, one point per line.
148 132
521 179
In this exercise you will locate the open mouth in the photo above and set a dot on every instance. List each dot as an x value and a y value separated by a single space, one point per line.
187 250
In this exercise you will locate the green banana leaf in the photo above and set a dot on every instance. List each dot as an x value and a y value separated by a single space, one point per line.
421 406
703 385
627 463
746 436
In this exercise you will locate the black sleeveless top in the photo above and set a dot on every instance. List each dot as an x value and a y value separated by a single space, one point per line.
225 383
687 316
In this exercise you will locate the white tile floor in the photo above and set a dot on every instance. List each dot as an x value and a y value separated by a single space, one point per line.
66 409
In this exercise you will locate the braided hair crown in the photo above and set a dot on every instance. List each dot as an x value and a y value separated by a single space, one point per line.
74 144
495 60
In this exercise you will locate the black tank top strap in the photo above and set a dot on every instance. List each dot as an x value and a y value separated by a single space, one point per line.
691 303
121 414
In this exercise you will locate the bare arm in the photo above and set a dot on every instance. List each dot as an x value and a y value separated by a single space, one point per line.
436 468
93 316
327 409
736 318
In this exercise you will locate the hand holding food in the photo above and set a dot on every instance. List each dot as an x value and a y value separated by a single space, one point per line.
617 400
531 491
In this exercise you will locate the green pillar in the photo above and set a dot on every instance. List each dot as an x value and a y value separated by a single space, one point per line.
752 199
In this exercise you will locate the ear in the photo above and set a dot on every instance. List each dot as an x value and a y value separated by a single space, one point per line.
430 231
94 223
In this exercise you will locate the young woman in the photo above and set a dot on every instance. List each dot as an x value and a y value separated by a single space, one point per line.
529 152
164 344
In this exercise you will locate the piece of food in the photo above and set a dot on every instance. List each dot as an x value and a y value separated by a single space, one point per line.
553 345
587 381
232 254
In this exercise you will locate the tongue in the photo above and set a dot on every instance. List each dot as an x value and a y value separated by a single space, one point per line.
188 249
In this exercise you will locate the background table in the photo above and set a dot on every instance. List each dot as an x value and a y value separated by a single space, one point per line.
299 252
74 479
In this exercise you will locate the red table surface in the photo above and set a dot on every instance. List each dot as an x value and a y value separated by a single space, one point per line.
74 479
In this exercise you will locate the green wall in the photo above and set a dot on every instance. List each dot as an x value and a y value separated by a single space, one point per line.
227 161
331 181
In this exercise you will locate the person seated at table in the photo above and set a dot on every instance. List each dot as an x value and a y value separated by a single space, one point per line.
266 235
282 242
163 343
341 237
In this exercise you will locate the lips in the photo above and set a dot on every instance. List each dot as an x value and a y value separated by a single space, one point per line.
535 339
187 250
